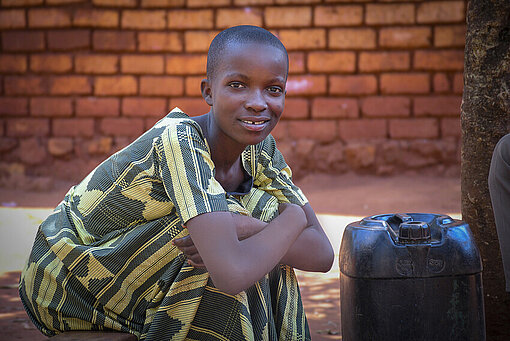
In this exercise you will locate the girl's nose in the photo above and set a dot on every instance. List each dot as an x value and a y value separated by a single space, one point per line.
256 101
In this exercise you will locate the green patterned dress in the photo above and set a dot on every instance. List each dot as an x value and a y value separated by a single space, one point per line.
104 259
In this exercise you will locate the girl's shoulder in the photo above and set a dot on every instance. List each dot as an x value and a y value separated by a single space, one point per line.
176 117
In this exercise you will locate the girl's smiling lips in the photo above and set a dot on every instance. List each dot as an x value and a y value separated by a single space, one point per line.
255 123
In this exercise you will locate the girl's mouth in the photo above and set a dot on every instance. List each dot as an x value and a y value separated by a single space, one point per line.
254 125
254 122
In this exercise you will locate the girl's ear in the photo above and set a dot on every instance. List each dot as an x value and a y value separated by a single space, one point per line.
206 91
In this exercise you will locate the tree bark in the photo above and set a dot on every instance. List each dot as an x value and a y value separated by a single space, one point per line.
485 119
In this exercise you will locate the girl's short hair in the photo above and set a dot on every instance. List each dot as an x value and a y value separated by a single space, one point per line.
240 35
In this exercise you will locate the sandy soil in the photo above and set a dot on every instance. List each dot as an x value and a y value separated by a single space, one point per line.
347 195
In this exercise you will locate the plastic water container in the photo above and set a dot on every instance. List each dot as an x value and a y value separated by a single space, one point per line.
414 276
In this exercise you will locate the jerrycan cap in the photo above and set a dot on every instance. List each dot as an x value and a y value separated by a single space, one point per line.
410 232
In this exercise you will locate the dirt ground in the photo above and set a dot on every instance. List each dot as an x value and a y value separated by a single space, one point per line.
336 199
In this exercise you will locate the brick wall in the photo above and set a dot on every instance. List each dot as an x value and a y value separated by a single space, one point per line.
373 86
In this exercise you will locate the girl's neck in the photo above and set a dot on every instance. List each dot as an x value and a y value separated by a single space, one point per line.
225 152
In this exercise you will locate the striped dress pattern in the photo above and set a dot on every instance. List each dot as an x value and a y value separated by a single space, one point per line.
104 259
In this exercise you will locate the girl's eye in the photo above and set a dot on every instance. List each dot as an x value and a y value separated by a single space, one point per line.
236 85
275 89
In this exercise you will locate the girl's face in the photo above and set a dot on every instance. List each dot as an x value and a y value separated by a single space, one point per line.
247 92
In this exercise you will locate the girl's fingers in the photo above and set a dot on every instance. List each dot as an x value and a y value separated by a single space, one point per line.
184 241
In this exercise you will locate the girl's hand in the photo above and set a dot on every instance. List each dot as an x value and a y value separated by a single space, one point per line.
186 245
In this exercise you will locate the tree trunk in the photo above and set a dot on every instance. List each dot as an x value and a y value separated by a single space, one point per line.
484 119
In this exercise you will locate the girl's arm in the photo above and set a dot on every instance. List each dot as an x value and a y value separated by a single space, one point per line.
245 226
235 265
312 250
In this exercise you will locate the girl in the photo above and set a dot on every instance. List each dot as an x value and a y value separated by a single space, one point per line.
192 231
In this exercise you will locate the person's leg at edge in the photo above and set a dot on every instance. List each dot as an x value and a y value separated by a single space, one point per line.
499 187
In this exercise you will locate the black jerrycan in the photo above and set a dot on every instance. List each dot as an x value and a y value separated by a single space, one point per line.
414 276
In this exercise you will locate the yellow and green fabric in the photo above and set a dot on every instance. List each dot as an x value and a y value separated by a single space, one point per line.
104 259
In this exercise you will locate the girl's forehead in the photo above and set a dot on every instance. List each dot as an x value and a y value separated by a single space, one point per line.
248 55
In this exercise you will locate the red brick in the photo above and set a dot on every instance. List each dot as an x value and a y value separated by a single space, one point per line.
352 38
116 3
389 14
140 19
62 2
192 85
115 85
131 127
331 61
70 85
441 83
25 127
440 11
13 63
15 106
69 40
22 41
405 37
303 39
384 61
252 2
335 108
450 36
297 2
352 85
338 15
191 106
144 107
439 60
405 83
450 127
142 64
149 122
161 86
296 62
25 85
96 64
198 41
437 105
194 64
306 85
322 131
49 17
48 63
458 83
51 106
352 130
97 107
385 106
9 3
88 17
159 42
295 108
163 3
233 17
186 19
114 41
421 128
209 3
13 18
60 146
70 127
288 16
